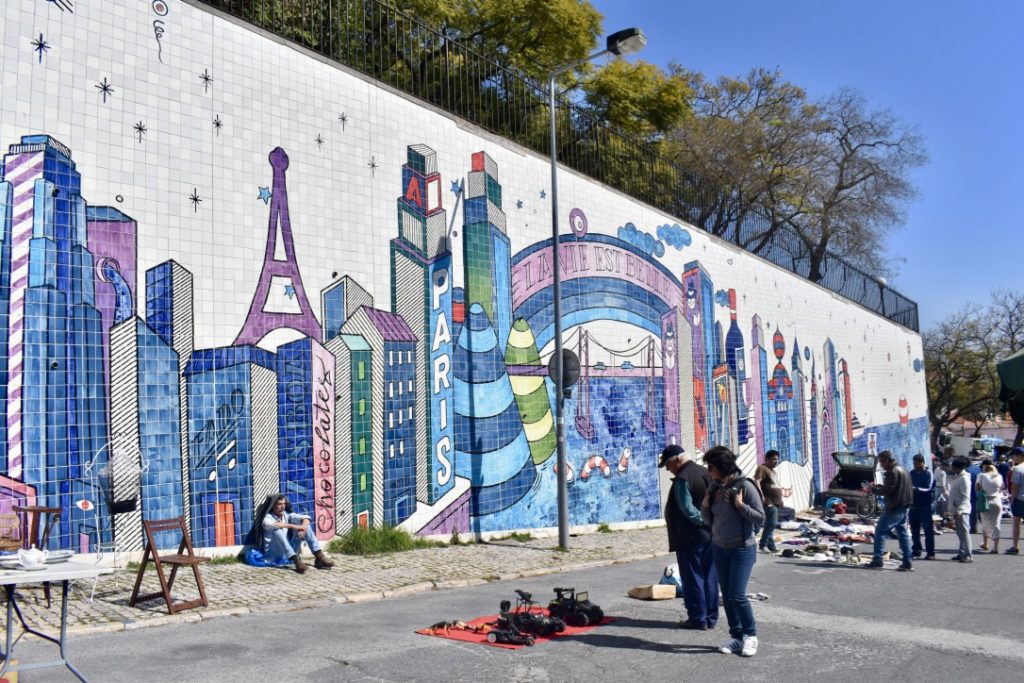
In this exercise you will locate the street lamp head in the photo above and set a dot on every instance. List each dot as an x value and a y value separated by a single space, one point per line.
626 42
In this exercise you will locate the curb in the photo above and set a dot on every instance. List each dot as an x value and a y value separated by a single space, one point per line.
344 599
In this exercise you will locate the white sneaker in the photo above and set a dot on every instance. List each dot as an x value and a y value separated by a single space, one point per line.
749 646
732 647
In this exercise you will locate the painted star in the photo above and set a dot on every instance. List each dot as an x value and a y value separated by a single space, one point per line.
519 203
319 141
372 163
140 128
543 194
196 201
41 46
343 119
289 291
456 187
207 79
265 195
217 124
104 89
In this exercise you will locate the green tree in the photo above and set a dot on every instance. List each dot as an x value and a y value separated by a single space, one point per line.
748 141
638 98
959 357
855 183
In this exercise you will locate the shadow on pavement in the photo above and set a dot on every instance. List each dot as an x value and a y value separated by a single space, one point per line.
598 639
642 623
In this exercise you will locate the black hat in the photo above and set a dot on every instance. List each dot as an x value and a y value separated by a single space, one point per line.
671 451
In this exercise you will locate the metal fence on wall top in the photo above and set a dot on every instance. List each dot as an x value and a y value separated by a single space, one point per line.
394 48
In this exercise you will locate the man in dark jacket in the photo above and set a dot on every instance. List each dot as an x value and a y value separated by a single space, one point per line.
899 494
921 511
690 539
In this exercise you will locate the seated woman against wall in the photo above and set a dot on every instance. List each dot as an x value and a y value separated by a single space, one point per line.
280 537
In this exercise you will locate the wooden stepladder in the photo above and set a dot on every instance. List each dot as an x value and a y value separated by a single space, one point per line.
185 557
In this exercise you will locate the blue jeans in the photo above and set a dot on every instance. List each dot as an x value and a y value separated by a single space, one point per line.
895 520
921 519
284 543
700 583
734 566
771 520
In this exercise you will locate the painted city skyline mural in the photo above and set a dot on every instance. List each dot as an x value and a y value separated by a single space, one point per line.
410 392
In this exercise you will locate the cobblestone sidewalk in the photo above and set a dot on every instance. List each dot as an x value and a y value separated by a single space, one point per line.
239 589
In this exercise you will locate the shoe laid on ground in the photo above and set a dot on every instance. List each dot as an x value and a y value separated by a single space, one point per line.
692 625
905 568
967 559
300 566
749 646
1012 551
929 557
733 647
874 564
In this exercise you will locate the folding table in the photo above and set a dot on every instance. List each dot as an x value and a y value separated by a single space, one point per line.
63 573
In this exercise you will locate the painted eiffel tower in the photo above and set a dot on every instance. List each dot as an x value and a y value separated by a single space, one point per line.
261 321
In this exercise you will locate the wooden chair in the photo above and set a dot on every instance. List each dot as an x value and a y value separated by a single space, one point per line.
37 516
185 557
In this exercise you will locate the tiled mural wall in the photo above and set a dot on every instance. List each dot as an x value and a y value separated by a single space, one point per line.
229 268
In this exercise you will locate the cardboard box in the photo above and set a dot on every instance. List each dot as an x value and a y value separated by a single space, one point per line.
657 591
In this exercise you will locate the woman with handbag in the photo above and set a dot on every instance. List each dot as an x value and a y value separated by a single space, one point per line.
989 502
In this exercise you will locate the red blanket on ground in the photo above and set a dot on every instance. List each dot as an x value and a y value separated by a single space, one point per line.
471 636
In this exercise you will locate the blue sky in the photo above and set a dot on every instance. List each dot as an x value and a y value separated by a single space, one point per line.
952 69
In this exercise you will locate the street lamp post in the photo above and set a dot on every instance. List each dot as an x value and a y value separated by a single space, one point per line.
625 42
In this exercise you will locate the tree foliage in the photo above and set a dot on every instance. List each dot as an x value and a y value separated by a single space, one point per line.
833 172
753 159
959 356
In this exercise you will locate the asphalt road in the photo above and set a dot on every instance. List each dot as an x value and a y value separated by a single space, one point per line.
943 622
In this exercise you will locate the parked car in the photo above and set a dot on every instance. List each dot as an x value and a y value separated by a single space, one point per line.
854 470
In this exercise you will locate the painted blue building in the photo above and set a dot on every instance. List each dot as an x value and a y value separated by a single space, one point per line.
487 253
232 402
393 346
55 401
144 414
421 274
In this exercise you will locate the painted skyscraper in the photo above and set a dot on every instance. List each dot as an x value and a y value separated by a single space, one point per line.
487 253
55 402
759 386
700 312
421 292
393 385
169 313
735 357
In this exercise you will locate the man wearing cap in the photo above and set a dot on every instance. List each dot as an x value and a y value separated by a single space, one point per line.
690 539
898 494
1016 496
921 509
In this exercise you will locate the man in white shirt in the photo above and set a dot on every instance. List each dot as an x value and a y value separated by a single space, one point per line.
960 507
1016 496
